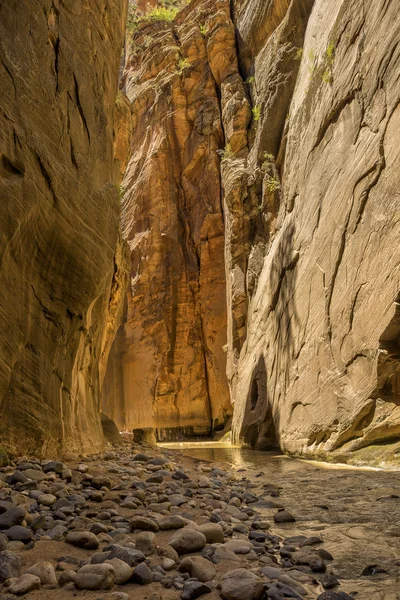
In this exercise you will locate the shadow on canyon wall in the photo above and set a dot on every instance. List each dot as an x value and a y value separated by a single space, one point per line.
270 378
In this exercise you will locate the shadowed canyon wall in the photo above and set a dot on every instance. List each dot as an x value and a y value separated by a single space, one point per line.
61 266
301 100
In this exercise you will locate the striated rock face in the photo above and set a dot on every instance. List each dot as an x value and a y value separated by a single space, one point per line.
301 99
61 275
167 367
314 339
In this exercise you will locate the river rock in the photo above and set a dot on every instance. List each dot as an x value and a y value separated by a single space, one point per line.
198 567
47 499
146 542
95 577
284 516
45 571
12 516
35 475
131 556
99 481
193 590
241 584
24 584
19 534
213 532
123 572
172 522
188 540
142 574
143 523
10 565
83 539
55 466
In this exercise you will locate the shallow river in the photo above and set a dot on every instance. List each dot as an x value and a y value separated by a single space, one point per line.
356 511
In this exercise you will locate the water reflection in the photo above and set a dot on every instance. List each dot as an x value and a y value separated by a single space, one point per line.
239 458
270 462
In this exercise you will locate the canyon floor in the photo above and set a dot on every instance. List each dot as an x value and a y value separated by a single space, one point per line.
146 523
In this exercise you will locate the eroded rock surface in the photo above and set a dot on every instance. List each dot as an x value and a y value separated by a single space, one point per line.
60 261
167 367
301 103
319 364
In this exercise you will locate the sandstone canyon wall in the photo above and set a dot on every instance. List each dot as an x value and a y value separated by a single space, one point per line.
291 108
319 366
61 261
167 367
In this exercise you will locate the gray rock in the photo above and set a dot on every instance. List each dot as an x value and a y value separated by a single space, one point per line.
118 596
19 534
55 466
101 481
12 516
193 590
10 565
284 516
188 540
130 555
142 574
47 499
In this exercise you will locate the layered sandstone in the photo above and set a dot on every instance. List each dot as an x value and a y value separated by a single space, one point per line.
317 367
299 100
61 263
167 366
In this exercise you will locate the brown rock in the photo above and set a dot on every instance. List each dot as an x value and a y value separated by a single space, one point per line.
60 277
171 347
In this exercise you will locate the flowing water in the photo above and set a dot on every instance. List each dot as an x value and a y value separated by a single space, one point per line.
356 511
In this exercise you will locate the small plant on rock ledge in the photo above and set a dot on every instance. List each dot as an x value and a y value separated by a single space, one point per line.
256 110
250 80
203 29
162 13
272 184
227 153
299 54
269 160
183 63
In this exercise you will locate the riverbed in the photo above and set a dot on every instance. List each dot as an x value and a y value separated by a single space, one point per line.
356 511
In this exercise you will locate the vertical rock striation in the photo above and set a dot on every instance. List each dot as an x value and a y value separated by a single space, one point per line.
167 368
300 98
61 265
318 364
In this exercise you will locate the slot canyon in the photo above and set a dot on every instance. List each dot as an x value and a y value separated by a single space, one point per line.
199 299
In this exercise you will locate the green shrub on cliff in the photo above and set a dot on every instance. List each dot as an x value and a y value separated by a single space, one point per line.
256 110
162 13
227 153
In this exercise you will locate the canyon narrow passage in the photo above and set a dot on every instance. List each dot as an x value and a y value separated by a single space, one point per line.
199 299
